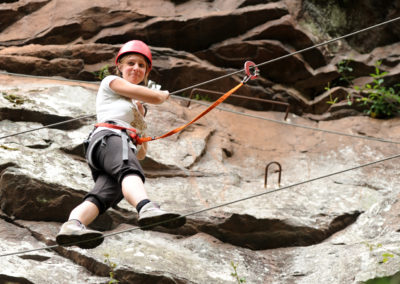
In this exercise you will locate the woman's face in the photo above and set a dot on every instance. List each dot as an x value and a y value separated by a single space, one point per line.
133 68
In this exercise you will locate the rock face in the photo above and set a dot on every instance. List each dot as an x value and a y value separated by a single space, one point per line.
313 227
343 17
206 38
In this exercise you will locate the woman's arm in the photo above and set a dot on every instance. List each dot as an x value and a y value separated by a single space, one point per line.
137 92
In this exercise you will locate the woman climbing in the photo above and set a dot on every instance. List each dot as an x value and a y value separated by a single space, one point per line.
113 155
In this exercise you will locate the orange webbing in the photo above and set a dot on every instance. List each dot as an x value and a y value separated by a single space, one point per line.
140 140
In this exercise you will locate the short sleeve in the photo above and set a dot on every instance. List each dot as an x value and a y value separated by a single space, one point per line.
105 84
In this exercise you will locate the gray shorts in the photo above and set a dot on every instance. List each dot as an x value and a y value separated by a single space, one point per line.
110 169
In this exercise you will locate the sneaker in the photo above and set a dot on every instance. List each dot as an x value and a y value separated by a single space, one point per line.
151 214
74 233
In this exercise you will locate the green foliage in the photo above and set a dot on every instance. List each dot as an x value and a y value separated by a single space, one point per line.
371 247
14 99
331 101
383 280
380 101
235 274
386 256
112 266
103 72
345 79
5 147
395 279
345 72
200 97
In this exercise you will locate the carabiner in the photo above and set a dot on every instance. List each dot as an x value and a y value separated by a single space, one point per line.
251 71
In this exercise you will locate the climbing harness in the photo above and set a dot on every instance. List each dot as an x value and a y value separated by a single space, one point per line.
251 73
128 139
130 134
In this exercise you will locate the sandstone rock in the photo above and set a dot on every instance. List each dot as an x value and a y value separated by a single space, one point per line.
288 70
34 267
215 27
284 30
152 257
339 18
322 103
319 80
335 229
12 12
51 183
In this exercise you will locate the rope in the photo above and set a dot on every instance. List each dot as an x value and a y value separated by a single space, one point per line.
140 140
220 205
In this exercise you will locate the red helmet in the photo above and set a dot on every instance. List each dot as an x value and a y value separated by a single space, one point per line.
136 46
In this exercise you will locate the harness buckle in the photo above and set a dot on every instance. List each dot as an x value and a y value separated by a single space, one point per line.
251 71
133 135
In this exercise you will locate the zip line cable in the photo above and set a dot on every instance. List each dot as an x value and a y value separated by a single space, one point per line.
291 54
257 65
331 41
371 138
228 75
48 126
217 206
304 126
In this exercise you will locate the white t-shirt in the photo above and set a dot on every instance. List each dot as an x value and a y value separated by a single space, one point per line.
112 106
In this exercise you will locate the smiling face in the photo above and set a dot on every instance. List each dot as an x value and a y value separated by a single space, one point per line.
134 68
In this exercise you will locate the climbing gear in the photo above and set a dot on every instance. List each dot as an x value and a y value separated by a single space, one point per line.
151 214
246 198
211 92
135 46
130 132
279 171
222 77
251 71
127 135
75 233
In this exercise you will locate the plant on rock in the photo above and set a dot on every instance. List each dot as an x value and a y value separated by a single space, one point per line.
235 274
112 267
380 101
103 72
345 71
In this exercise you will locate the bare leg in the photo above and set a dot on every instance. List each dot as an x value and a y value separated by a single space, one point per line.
134 192
133 189
85 212
72 233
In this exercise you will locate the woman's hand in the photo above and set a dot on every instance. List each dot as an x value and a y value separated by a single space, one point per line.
166 95
142 108
142 151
